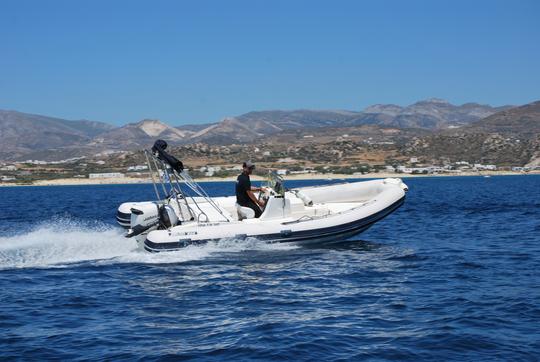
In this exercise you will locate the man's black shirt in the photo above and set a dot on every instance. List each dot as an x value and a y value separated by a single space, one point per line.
243 184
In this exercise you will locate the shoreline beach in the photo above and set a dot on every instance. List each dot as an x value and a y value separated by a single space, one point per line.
310 176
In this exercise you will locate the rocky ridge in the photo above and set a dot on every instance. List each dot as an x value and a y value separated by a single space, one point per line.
432 129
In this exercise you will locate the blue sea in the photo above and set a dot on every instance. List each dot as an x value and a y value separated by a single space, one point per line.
454 274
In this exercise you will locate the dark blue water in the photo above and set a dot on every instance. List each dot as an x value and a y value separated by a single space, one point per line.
452 275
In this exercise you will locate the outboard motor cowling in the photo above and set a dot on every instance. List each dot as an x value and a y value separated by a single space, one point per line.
143 218
123 214
167 216
151 216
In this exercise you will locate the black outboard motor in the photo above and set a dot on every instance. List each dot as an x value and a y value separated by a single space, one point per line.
159 149
150 216
167 217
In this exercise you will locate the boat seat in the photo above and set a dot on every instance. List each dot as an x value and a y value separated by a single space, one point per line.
244 212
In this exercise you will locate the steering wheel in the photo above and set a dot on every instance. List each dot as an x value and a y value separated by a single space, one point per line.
262 195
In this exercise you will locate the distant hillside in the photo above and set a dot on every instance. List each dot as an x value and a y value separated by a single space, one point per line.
140 134
254 125
472 147
24 136
523 120
22 133
431 114
509 137
194 127
275 121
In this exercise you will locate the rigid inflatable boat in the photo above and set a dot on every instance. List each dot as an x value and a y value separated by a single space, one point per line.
184 213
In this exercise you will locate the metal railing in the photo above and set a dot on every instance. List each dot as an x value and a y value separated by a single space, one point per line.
178 184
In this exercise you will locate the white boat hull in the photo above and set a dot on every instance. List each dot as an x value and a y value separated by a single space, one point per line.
311 214
157 241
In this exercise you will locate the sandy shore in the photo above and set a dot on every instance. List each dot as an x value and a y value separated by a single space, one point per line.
312 176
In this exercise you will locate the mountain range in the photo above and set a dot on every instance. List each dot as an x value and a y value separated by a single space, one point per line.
430 114
23 133
27 136
509 137
523 121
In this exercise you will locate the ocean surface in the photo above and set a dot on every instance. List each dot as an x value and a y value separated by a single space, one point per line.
454 274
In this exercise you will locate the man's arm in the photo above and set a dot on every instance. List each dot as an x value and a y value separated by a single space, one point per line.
252 197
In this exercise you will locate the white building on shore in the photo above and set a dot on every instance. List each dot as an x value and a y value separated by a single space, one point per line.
481 167
137 168
106 175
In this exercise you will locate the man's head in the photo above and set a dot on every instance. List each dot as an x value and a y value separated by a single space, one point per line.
248 167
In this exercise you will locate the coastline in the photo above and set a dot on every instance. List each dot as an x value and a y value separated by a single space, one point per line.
311 176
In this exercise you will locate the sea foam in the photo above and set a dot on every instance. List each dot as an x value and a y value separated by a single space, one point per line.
63 242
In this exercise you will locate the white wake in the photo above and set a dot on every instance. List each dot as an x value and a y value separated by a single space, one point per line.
62 243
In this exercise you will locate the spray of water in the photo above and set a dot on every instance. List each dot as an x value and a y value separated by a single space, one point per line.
61 243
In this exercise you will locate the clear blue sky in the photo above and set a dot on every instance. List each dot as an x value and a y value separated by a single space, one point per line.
199 61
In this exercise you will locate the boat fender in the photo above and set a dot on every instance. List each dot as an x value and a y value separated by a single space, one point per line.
305 199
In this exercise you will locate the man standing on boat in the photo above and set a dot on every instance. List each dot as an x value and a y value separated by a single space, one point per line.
244 191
